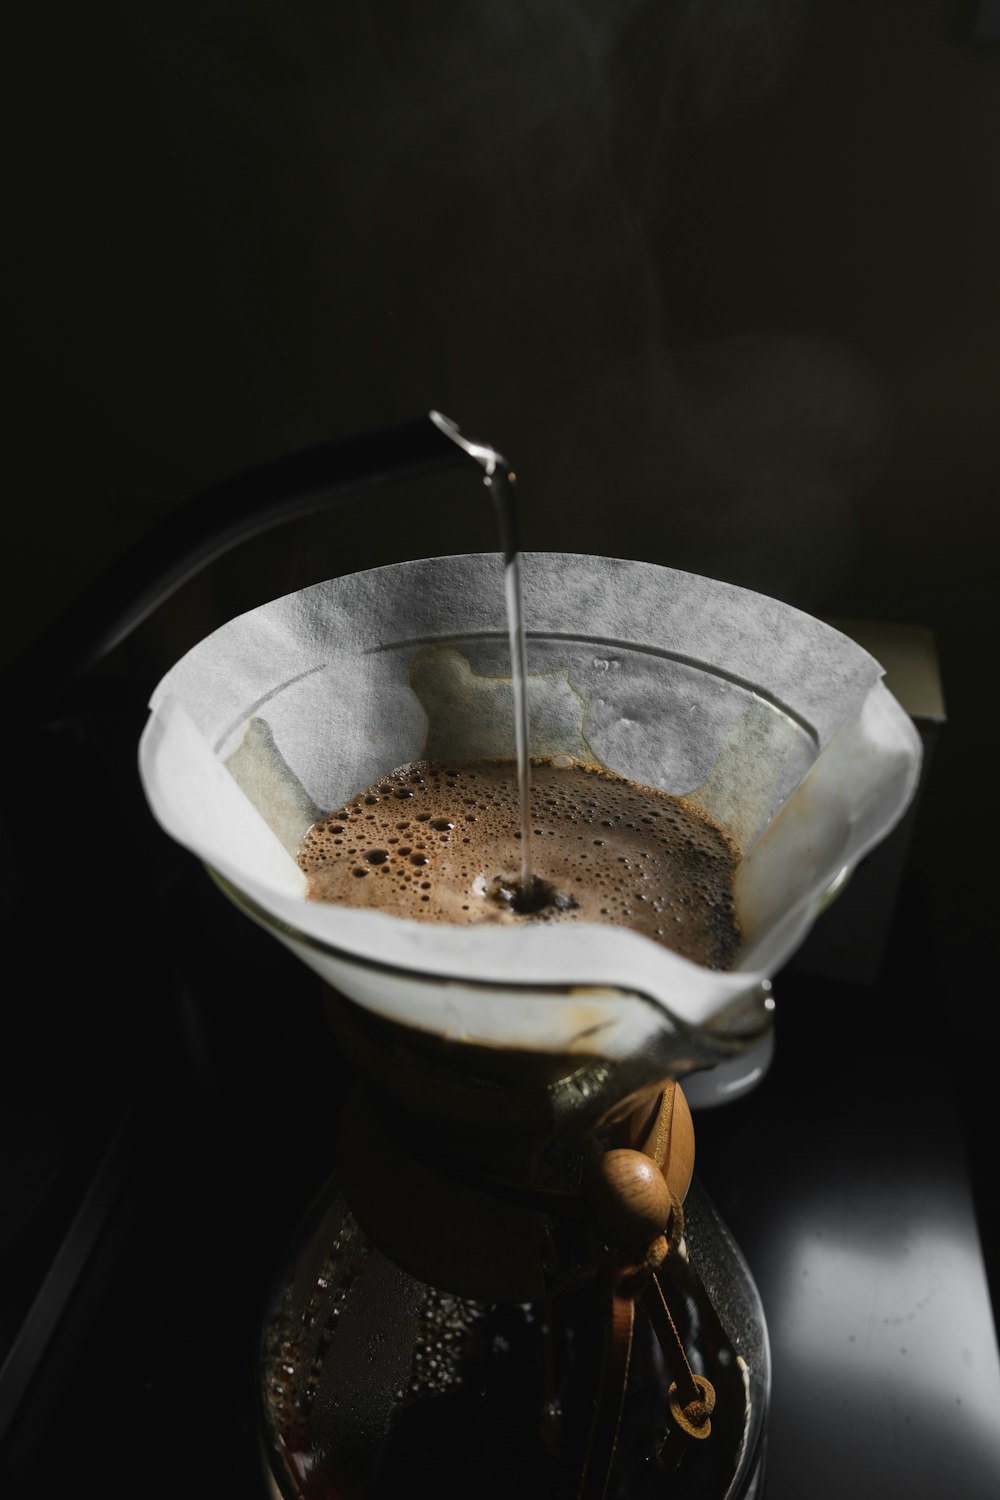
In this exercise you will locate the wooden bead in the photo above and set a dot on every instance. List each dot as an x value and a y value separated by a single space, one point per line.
629 1199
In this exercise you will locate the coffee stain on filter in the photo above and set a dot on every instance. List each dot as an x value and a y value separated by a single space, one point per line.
471 715
748 782
265 777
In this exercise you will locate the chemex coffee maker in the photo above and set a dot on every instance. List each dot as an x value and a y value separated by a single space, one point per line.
512 1281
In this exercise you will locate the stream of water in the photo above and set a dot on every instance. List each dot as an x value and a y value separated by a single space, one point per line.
500 479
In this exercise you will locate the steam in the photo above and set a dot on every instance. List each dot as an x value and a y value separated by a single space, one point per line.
511 162
782 433
476 207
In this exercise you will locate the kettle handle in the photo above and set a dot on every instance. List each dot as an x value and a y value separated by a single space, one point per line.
204 527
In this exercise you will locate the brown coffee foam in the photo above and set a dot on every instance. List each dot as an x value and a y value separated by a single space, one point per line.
428 841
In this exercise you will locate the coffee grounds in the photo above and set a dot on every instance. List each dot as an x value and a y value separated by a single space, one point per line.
440 842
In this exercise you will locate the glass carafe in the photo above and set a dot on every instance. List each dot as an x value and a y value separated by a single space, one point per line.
451 1318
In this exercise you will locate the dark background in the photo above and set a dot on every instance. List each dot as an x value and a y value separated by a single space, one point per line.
719 278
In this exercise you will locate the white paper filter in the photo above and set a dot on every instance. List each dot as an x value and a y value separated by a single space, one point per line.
778 725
